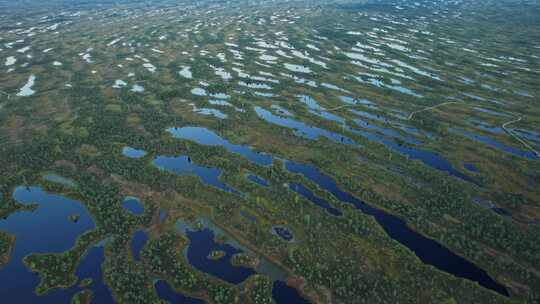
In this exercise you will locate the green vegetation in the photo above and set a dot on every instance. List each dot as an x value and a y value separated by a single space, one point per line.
216 255
85 283
244 260
259 290
6 244
77 125
82 297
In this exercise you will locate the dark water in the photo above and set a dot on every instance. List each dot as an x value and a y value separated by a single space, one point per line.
165 292
302 129
386 132
137 244
182 165
248 216
355 101
532 137
305 192
328 116
495 144
90 267
428 250
284 294
201 244
283 233
133 205
162 215
501 211
48 229
133 153
258 180
478 124
364 114
470 167
205 137
429 158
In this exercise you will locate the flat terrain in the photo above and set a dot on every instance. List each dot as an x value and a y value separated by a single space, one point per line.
270 151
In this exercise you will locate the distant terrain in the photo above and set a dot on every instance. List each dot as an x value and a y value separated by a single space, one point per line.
270 151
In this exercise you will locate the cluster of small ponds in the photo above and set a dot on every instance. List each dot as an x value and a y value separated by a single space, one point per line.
58 232
411 150
494 143
53 212
428 250
48 229
404 144
202 243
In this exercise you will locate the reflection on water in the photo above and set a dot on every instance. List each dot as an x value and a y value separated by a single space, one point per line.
137 243
428 250
495 144
165 292
182 165
204 136
258 180
48 229
133 205
302 129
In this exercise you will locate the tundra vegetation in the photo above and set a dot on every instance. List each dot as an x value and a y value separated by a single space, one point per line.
396 117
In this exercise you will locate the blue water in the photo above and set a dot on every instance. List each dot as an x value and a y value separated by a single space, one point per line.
205 137
486 127
328 116
488 111
48 230
354 101
495 144
133 153
429 158
428 250
133 205
248 216
283 233
470 167
311 103
162 215
182 165
301 129
501 211
258 180
532 137
284 294
305 192
137 244
201 244
165 292
369 115
387 132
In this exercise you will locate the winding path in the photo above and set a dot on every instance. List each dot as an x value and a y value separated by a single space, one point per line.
431 108
517 137
504 125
